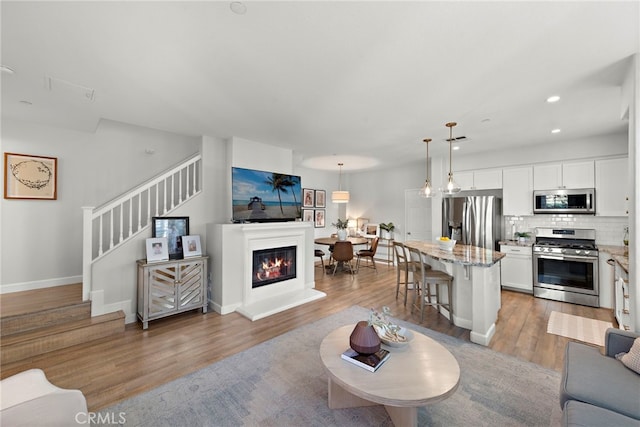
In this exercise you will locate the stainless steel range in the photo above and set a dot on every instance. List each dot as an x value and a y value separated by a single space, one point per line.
565 265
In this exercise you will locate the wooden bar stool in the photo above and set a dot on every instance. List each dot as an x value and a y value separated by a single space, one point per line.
404 266
423 278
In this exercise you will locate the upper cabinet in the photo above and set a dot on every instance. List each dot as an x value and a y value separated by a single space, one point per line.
517 191
612 187
564 175
484 179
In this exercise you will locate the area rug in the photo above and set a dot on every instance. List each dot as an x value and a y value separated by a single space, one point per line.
282 382
578 328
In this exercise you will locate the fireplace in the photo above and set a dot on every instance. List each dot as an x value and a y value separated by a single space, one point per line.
273 265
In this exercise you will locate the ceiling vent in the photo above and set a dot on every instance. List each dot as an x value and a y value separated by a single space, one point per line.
63 87
457 139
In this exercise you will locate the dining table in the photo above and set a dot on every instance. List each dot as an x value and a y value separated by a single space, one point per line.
330 241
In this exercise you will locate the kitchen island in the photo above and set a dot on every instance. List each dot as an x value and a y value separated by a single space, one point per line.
476 285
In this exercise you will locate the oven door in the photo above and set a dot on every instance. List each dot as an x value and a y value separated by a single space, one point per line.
576 274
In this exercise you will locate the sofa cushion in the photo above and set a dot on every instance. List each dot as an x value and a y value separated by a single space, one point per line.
578 414
590 377
631 359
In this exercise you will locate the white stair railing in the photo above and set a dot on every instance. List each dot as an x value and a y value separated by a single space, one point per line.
109 226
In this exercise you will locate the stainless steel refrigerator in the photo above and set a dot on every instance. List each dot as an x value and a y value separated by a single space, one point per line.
473 220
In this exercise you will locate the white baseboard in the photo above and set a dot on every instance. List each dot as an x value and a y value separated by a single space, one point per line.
39 284
98 307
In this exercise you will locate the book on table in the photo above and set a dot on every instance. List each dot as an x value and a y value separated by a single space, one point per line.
370 362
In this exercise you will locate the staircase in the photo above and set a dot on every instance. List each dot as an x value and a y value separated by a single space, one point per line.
40 321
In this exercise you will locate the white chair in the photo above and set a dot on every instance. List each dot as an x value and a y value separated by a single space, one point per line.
29 399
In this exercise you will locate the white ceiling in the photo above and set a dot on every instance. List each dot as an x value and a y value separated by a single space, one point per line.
334 80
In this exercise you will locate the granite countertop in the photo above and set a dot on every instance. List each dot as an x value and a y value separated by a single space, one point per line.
461 254
618 253
516 242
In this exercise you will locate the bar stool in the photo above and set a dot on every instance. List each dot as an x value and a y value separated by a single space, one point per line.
403 265
427 277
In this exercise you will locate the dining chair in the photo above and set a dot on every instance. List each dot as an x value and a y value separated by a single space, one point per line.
320 254
404 266
423 278
370 252
342 254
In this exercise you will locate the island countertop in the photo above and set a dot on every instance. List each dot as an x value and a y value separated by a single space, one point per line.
461 254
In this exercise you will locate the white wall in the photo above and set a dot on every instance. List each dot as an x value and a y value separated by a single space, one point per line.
42 240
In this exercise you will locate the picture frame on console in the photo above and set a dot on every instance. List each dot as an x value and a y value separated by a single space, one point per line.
173 228
308 197
361 222
191 246
157 249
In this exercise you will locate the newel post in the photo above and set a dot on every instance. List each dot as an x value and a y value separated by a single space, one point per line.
87 250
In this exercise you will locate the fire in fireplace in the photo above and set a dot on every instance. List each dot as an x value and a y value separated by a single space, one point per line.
273 265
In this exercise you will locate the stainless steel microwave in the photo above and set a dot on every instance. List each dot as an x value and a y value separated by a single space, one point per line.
578 201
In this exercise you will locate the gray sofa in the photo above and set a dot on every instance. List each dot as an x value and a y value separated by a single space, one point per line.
598 390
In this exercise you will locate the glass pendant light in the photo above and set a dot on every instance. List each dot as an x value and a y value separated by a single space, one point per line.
451 187
426 191
340 196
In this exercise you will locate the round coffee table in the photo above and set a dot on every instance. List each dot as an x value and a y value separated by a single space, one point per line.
421 373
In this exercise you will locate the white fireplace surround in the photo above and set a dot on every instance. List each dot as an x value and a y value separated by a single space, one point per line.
232 268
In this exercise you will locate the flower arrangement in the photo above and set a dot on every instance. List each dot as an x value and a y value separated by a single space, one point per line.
384 327
341 224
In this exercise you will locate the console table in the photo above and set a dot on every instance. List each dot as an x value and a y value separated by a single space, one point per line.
170 287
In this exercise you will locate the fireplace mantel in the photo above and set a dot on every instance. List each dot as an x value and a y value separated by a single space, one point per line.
232 246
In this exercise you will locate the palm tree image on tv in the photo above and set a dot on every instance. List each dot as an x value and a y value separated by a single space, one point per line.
279 183
263 196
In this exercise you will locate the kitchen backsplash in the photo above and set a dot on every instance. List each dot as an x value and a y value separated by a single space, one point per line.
609 230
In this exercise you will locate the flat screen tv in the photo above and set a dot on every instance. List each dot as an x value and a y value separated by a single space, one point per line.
260 196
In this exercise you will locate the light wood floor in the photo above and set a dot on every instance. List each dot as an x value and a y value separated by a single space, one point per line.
114 369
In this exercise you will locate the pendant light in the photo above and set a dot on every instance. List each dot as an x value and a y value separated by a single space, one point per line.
426 191
451 187
340 196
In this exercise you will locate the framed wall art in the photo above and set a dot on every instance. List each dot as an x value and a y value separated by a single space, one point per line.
30 177
191 246
157 249
321 200
319 218
361 223
173 228
307 197
308 215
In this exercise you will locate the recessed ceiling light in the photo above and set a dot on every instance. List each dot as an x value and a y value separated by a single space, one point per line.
25 102
556 131
238 8
6 69
455 147
552 99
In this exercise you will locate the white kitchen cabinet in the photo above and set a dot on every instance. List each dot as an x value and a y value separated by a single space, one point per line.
483 179
605 280
464 180
622 302
564 175
612 187
517 191
516 268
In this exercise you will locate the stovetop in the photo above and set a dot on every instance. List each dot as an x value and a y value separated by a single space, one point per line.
568 245
566 241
